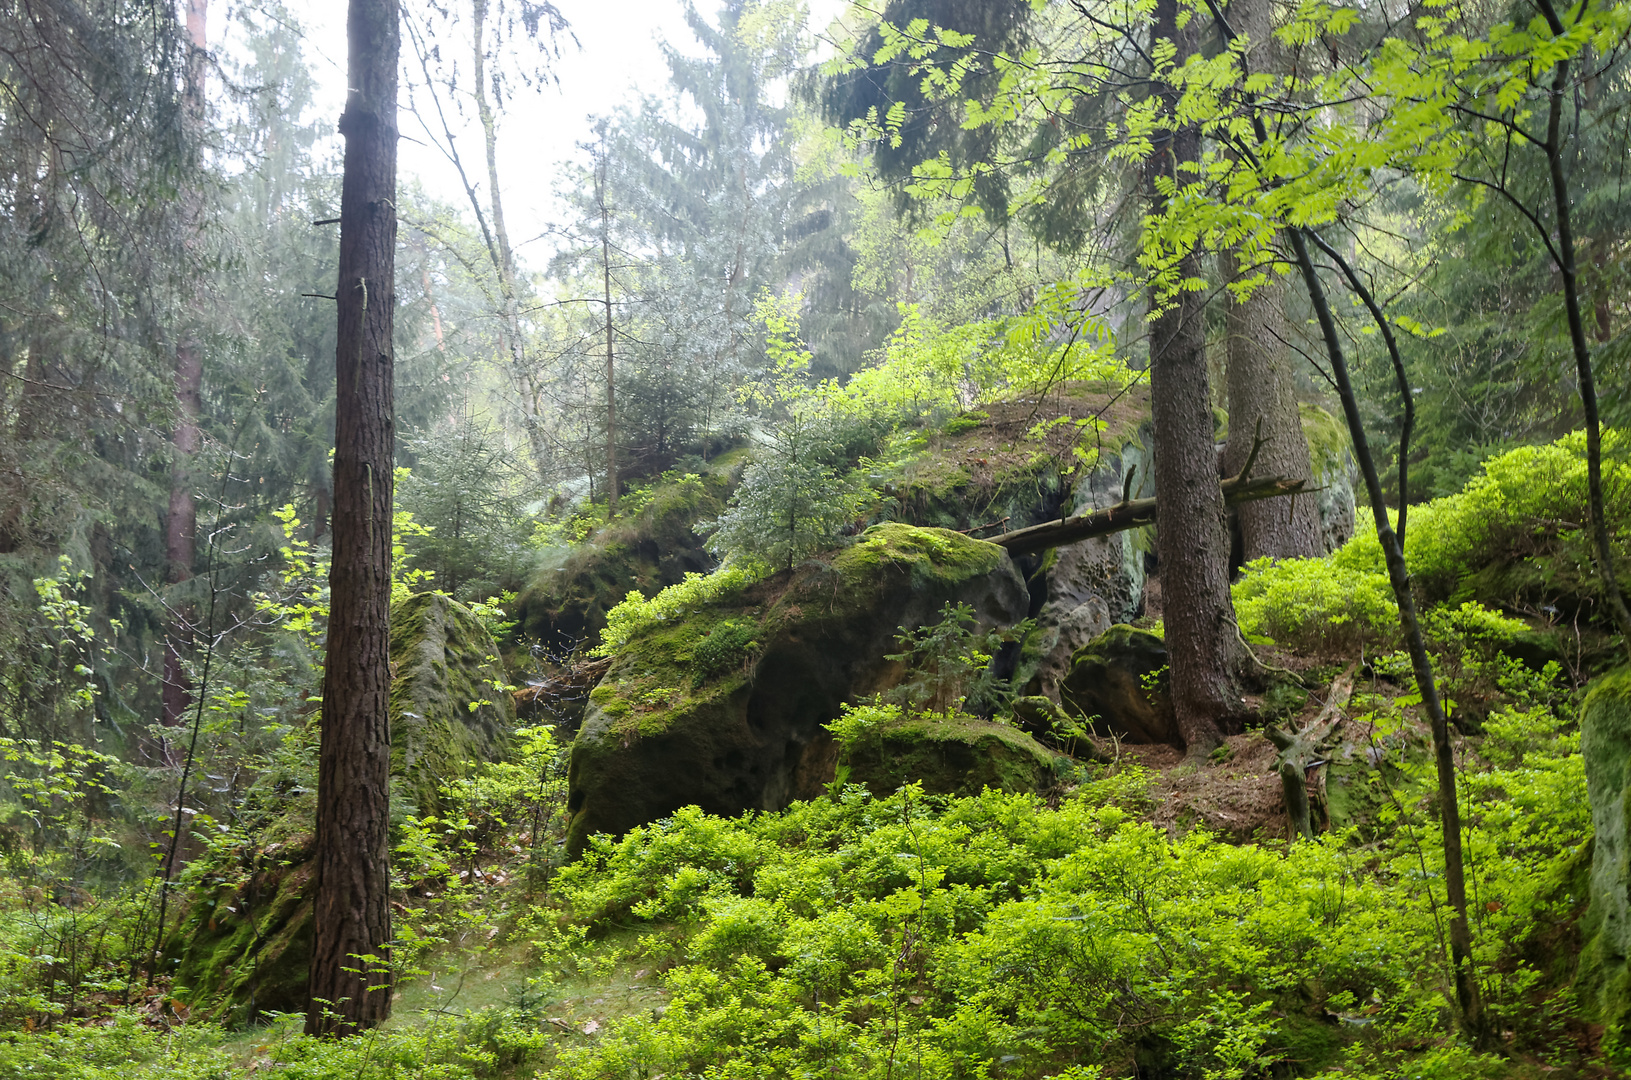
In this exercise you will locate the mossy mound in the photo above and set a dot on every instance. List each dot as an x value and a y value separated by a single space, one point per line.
248 934
958 755
248 939
1515 536
1605 745
1117 681
724 706
566 602
450 703
1013 460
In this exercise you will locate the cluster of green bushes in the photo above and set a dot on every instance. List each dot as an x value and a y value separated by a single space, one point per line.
1514 537
991 936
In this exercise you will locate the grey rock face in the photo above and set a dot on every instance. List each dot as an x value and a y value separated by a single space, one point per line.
1096 583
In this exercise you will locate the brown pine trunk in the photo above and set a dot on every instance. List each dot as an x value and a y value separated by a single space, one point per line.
350 980
1191 535
1262 393
181 522
1263 404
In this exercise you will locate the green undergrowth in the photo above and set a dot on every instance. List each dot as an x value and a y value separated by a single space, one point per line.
1512 543
999 935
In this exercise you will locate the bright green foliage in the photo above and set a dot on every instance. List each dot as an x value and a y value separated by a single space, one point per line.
1314 604
1514 534
636 613
1517 530
843 935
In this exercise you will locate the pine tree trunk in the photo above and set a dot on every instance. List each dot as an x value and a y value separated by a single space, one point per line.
181 523
350 984
1262 394
1192 538
1263 403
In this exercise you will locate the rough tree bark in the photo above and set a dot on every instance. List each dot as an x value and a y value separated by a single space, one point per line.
1262 394
1192 538
350 983
602 190
181 523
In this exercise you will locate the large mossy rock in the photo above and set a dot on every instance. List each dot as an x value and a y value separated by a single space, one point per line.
949 756
724 707
1605 746
451 707
1118 682
566 602
1094 584
247 940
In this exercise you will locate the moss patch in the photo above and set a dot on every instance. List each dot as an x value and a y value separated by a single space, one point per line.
449 707
1605 744
950 756
1328 442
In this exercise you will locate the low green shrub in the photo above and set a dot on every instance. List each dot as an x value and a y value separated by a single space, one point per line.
1518 529
1315 605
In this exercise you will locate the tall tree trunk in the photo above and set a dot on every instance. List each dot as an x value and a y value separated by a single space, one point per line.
1263 403
350 980
181 523
1191 534
1262 394
602 185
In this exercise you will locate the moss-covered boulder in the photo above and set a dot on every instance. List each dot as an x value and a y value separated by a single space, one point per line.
451 707
957 755
247 937
1118 682
723 706
565 603
1013 462
248 930
1605 745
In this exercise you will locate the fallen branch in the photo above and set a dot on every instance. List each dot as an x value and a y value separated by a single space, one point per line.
1305 750
1131 514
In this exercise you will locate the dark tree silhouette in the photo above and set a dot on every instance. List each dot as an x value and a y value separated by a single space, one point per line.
350 981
